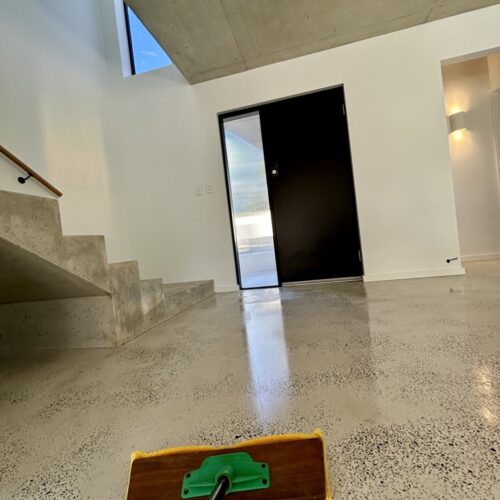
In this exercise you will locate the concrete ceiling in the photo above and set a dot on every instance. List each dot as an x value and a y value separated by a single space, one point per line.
208 39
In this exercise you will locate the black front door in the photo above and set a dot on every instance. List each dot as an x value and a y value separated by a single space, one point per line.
311 187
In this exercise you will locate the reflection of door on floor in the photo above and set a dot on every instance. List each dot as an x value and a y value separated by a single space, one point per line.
291 191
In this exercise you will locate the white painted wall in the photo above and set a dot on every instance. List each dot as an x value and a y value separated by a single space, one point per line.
53 86
149 139
474 162
399 142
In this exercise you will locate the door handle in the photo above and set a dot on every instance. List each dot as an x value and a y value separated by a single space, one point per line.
274 170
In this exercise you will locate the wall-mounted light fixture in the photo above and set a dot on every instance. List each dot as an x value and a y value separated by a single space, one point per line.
457 122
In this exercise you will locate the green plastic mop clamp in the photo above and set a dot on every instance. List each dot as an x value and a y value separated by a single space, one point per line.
242 472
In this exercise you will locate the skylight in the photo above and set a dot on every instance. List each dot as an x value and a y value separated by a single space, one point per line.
145 52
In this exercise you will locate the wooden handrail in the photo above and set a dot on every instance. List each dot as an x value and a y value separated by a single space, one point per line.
29 171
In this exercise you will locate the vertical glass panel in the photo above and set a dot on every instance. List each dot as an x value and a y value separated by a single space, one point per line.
250 201
146 51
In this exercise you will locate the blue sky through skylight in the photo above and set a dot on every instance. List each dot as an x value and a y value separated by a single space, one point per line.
147 53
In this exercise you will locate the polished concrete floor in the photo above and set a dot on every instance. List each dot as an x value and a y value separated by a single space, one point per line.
401 376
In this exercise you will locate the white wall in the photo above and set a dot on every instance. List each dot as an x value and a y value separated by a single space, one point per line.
399 143
156 137
53 86
474 162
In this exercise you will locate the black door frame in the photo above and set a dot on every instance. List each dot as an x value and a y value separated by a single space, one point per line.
256 109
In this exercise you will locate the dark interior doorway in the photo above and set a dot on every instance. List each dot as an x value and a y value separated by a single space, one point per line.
291 191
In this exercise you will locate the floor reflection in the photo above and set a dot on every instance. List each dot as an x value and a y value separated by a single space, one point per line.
485 392
267 351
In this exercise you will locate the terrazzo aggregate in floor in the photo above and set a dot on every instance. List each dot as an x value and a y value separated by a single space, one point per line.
401 376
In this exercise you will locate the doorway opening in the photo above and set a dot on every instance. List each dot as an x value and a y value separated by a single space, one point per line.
472 101
291 191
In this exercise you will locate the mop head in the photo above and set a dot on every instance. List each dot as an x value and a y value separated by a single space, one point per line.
286 467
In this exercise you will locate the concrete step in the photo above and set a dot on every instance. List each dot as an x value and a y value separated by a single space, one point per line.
32 224
178 297
153 307
60 291
26 277
127 301
86 257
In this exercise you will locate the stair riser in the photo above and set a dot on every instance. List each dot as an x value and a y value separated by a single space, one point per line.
152 304
31 222
86 257
126 294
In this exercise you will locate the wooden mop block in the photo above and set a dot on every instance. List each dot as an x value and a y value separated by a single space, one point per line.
286 467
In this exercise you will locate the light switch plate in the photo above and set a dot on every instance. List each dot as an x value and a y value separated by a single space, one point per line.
198 190
209 188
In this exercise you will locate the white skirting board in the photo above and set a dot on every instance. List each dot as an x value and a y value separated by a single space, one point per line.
405 275
480 256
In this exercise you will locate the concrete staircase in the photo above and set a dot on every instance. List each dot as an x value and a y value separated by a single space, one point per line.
60 291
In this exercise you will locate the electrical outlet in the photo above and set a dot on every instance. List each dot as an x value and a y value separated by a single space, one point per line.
209 188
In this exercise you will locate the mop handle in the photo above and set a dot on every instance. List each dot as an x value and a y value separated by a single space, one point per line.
220 489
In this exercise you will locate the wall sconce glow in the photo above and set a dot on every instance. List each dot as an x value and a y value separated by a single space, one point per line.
457 122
